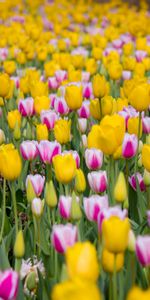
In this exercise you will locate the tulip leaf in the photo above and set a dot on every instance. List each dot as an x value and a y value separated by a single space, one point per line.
4 263
20 294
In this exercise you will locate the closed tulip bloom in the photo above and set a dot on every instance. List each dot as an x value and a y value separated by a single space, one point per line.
84 111
126 75
47 150
143 250
26 107
82 123
53 83
80 182
82 262
115 234
129 145
41 132
9 283
64 206
145 157
98 181
38 89
133 124
62 131
140 97
63 236
37 183
29 150
132 181
61 75
100 86
85 76
109 261
64 167
61 106
87 90
41 103
114 211
93 205
48 118
76 290
137 293
75 155
146 125
13 117
73 96
5 85
115 70
10 162
93 158
120 190
95 109
50 194
37 207
19 247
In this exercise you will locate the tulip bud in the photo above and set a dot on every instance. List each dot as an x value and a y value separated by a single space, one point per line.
17 132
76 213
148 139
30 191
2 137
140 147
80 182
120 191
19 247
140 162
50 194
82 124
131 241
37 207
31 281
146 177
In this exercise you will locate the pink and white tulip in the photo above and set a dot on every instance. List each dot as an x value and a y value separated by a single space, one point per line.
132 181
61 106
146 125
140 54
129 145
52 83
47 150
26 107
49 117
53 98
61 75
93 158
143 250
75 155
115 211
93 205
64 206
126 75
85 76
82 122
84 111
87 90
63 236
9 282
29 150
37 183
37 207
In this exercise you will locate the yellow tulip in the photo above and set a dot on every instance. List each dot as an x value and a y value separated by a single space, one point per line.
95 109
91 65
82 262
80 182
19 247
146 157
4 85
140 97
108 261
137 293
73 96
133 125
41 103
13 118
100 86
115 70
10 162
121 103
115 234
9 67
62 131
41 132
120 190
64 167
107 105
38 88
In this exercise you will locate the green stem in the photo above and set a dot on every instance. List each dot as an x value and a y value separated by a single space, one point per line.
39 237
148 197
136 157
35 234
115 280
13 194
56 264
110 286
4 210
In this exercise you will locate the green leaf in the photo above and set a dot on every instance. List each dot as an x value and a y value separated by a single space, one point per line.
4 263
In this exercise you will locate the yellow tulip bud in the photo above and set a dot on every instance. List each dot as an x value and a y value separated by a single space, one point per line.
115 243
50 194
140 92
64 167
17 132
19 247
4 85
73 96
146 156
30 191
115 70
120 190
146 177
41 103
76 212
95 109
109 261
137 293
13 118
10 162
9 67
38 89
62 131
100 86
80 182
41 132
133 125
131 241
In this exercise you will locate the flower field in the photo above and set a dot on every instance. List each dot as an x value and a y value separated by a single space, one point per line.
74 150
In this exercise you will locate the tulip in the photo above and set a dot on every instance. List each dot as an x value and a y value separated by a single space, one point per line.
98 181
48 118
131 241
47 150
85 76
120 190
94 205
9 283
63 236
60 75
37 183
145 157
53 98
132 181
75 156
14 117
52 83
80 182
126 75
137 293
117 242
87 90
10 162
62 131
93 158
61 106
146 125
37 207
76 212
129 145
41 103
107 213
50 194
73 96
29 150
95 109
115 70
2 137
26 107
109 261
64 206
140 54
143 250
82 262
84 111
82 122
5 85
41 132
146 177
64 167
139 92
100 86
19 247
